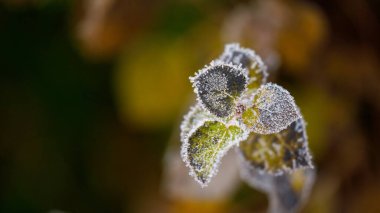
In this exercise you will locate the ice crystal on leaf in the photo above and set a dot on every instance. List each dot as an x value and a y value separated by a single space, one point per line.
277 153
248 59
274 109
234 102
204 147
219 86
192 119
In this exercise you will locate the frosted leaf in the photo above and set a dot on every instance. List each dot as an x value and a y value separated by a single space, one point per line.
192 119
291 191
273 110
248 59
277 153
287 192
219 86
177 185
206 145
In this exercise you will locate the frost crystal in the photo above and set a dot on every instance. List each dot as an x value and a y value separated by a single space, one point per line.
206 145
233 102
219 86
273 109
248 59
275 154
192 119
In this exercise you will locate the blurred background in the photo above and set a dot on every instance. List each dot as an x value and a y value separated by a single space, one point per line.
92 93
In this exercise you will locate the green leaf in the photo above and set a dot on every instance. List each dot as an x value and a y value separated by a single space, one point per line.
278 153
248 59
192 119
219 86
206 145
273 110
250 117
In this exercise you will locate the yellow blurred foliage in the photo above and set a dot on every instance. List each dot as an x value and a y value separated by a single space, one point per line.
304 32
151 81
293 29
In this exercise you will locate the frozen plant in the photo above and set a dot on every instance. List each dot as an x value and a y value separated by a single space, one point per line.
236 107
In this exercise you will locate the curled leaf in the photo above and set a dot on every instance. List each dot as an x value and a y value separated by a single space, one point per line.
277 153
248 59
273 110
219 86
286 192
206 145
177 185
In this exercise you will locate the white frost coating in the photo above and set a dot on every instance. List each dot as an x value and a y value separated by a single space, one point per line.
196 116
220 154
178 185
294 139
219 87
238 69
245 57
287 190
193 118
185 142
223 96
304 140
276 107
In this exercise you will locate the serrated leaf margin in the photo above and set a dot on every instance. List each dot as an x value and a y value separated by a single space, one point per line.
236 68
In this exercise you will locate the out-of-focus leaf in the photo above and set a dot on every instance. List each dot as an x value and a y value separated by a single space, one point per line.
286 192
248 59
219 86
273 110
274 28
206 145
291 191
278 153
